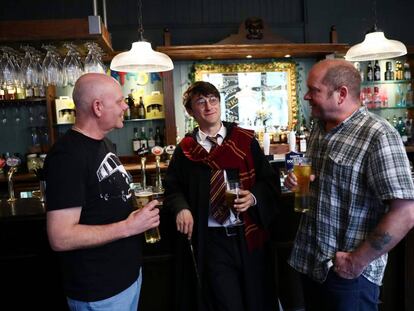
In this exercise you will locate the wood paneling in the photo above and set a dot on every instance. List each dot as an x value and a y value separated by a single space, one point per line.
200 52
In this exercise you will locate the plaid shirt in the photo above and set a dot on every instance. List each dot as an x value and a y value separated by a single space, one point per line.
358 165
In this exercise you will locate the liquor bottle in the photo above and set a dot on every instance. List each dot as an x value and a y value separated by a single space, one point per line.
377 71
402 130
376 98
127 112
143 140
363 96
151 139
132 106
407 72
135 141
302 140
157 137
389 74
409 96
141 109
398 71
384 98
368 100
394 121
370 72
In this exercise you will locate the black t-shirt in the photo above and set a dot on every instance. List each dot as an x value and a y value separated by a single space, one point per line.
84 172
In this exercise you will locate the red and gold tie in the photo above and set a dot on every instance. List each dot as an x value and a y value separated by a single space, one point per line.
217 191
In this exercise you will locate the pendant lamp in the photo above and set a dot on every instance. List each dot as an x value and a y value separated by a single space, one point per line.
375 45
141 57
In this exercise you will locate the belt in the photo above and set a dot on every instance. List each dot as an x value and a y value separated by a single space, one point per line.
226 231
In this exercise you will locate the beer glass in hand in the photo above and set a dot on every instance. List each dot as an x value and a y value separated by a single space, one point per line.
302 170
232 193
153 235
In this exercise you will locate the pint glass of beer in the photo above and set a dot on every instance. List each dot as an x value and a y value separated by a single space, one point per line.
302 171
153 235
142 197
232 193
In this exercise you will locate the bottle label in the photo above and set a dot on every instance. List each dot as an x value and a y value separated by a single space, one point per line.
135 145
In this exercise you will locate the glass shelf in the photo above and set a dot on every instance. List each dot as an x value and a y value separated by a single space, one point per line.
367 83
140 120
395 107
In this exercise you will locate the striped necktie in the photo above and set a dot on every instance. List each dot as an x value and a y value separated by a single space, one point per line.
217 190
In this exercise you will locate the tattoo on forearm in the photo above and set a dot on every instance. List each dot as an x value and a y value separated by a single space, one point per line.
379 239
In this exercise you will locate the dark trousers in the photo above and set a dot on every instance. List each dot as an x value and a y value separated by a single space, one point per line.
224 270
338 294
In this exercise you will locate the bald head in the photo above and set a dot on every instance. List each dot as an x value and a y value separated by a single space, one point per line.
336 73
92 86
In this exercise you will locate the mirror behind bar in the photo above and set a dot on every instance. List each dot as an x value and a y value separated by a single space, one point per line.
255 95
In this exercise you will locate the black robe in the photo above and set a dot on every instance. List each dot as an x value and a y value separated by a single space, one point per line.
187 185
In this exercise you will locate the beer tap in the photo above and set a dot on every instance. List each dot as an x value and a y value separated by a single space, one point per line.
12 162
142 152
170 151
157 151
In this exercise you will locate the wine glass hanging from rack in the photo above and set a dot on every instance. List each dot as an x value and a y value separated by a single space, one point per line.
26 72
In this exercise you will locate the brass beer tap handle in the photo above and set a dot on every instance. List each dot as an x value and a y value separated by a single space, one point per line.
143 177
11 162
10 184
157 151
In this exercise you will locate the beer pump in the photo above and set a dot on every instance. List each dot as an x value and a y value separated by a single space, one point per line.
142 152
169 150
157 151
12 162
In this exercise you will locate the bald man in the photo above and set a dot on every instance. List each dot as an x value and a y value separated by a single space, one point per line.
361 197
90 218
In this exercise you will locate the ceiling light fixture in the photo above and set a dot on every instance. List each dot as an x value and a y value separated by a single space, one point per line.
141 57
375 46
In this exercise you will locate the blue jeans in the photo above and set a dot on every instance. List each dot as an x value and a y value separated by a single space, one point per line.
338 294
126 300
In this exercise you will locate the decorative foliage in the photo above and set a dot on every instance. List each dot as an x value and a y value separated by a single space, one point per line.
191 75
299 78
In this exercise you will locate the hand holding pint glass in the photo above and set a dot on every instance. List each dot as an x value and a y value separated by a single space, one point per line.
302 170
232 193
153 235
143 197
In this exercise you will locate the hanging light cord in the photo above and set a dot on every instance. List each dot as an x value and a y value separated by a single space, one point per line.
141 28
374 28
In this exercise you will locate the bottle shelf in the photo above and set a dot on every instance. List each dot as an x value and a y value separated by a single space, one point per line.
128 121
33 100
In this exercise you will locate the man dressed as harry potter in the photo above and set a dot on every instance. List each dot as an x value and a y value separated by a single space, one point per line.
232 267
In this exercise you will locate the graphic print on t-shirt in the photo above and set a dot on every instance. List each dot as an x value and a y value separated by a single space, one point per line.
114 180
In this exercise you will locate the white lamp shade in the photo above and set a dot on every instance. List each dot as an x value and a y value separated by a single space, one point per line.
141 58
375 46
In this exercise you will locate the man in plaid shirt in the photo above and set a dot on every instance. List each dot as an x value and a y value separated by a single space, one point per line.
362 195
